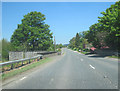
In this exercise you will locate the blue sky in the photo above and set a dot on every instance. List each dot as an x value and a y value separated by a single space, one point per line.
65 18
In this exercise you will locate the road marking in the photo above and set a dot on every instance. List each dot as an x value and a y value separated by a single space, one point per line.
92 66
81 59
51 80
23 78
116 86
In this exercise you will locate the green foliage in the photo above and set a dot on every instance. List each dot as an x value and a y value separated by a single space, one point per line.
77 40
51 48
86 50
72 43
32 34
59 46
5 49
59 50
83 40
74 49
106 32
92 35
111 24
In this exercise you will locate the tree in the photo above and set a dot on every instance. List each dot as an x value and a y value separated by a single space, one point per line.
111 24
33 34
72 43
5 49
83 40
77 41
93 35
106 31
59 46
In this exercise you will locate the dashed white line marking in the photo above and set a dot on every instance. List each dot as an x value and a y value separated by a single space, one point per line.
51 80
92 66
23 78
116 86
81 59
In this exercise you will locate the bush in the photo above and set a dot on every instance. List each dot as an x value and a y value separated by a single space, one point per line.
77 49
59 50
86 50
74 49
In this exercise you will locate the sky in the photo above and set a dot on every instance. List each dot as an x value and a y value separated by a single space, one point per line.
65 18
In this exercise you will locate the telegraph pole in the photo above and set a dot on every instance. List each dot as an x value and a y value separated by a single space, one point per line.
54 44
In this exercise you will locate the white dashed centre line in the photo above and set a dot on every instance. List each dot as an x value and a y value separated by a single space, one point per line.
23 78
92 66
81 59
51 81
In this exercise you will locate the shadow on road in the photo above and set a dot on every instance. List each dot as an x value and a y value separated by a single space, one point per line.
89 53
98 56
95 55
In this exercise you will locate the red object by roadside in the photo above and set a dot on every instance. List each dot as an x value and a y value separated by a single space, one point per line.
93 48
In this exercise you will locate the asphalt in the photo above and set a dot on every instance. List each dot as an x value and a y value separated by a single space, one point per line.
72 70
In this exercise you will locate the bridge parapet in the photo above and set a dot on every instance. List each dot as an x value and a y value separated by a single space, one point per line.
20 55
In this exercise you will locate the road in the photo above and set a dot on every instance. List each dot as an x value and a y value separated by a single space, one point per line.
71 71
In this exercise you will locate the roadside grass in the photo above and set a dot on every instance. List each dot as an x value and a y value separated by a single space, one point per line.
14 72
84 52
114 57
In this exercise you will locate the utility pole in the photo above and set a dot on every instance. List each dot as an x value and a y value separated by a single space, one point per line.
54 44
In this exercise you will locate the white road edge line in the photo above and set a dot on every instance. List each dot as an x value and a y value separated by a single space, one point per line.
23 78
92 66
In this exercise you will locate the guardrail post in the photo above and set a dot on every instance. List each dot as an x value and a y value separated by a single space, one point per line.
22 63
29 61
17 65
11 66
41 57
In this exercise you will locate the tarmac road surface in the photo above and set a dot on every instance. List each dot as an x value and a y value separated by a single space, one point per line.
72 70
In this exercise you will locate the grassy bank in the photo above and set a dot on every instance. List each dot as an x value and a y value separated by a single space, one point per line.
24 68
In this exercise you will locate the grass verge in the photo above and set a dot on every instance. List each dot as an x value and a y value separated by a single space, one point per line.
114 57
84 52
24 68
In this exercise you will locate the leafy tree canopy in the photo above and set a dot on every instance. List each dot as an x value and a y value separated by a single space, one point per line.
107 31
32 34
77 40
